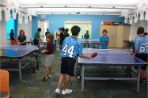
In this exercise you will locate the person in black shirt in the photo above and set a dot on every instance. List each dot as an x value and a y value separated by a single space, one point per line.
47 32
66 32
12 35
22 38
62 36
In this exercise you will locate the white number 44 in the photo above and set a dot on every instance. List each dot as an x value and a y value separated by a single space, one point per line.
70 50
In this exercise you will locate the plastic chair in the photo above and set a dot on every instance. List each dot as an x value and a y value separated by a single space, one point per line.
4 84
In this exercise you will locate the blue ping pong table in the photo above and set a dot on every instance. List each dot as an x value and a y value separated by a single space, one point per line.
41 44
109 57
90 42
18 52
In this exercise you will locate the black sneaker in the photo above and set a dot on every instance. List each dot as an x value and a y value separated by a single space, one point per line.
143 82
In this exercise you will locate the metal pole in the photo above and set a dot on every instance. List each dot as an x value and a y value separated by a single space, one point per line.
82 78
138 78
20 70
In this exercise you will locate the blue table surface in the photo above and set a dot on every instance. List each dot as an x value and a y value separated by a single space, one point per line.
109 56
16 50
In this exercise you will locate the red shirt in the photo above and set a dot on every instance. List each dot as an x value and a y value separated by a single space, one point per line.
50 47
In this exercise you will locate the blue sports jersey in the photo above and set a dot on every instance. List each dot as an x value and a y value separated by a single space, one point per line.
71 47
104 40
141 44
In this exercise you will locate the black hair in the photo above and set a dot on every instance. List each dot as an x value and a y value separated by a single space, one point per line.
39 29
66 30
75 30
87 31
104 31
140 30
12 30
145 33
62 29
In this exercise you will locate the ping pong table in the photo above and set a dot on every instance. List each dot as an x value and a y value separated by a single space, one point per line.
109 57
41 44
90 42
18 52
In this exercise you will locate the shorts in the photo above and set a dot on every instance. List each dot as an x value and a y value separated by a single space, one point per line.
67 66
36 42
144 58
48 60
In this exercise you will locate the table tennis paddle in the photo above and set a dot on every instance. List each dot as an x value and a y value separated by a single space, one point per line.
94 54
106 41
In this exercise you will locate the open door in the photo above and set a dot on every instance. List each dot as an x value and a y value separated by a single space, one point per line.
43 24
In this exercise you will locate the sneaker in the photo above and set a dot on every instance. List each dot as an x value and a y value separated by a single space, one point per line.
67 91
45 78
49 76
143 82
57 91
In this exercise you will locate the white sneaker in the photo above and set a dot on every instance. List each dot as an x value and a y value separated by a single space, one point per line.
67 91
57 91
49 76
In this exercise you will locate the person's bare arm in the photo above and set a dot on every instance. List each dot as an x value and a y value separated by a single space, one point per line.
134 54
44 51
84 56
23 42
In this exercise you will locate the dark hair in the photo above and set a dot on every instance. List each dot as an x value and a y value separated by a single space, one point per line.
145 33
62 29
140 30
39 29
75 30
104 31
66 30
50 36
12 30
87 31
21 31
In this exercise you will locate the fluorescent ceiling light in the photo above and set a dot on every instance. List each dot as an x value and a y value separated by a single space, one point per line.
79 2
74 10
73 6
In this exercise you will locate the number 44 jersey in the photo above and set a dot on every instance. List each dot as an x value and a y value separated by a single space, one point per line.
71 47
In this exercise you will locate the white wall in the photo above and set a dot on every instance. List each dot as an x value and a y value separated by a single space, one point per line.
143 23
3 36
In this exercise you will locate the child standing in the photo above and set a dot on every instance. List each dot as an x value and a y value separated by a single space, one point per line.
49 57
86 36
37 37
104 40
71 48
141 51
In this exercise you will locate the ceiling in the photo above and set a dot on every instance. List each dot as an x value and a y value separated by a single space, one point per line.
112 7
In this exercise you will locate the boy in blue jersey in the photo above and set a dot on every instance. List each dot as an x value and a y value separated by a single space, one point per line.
104 40
141 50
71 48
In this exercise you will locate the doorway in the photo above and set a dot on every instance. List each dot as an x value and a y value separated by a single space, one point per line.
43 24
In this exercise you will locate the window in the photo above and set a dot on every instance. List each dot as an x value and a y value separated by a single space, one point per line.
84 25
